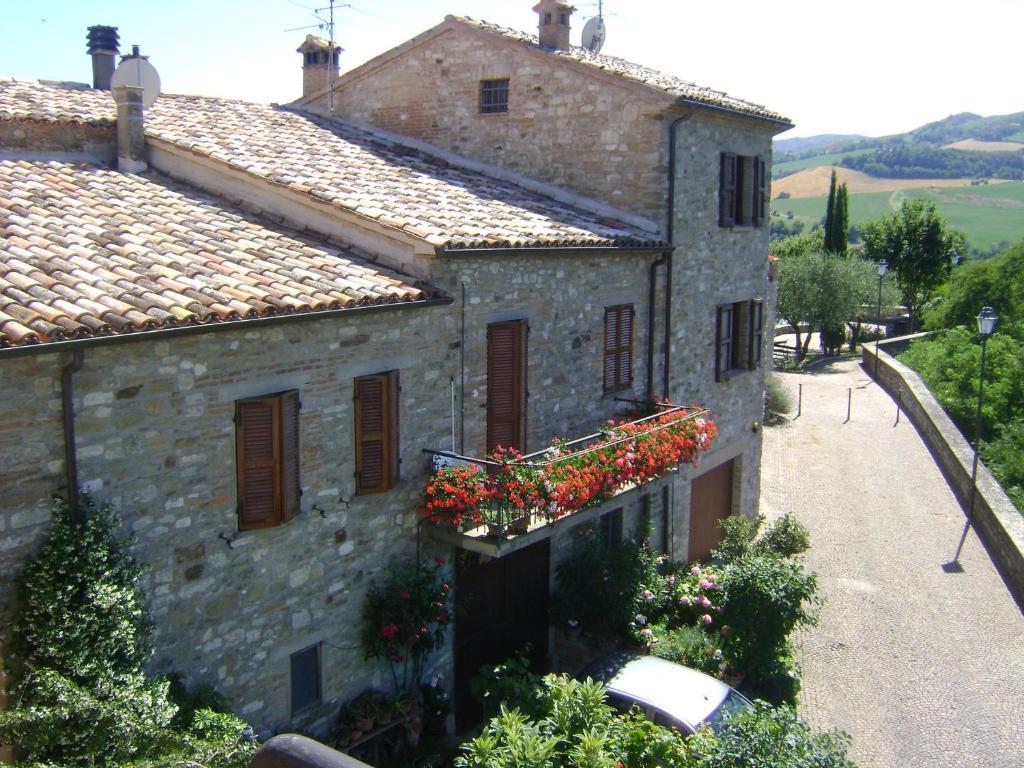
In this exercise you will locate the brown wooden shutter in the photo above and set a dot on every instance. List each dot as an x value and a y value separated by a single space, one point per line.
506 385
291 487
618 347
258 447
723 341
756 342
727 191
377 457
760 192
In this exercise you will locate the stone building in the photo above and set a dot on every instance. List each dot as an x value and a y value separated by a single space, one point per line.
266 257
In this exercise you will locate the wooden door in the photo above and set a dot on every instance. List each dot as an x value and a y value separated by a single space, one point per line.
710 501
501 609
506 385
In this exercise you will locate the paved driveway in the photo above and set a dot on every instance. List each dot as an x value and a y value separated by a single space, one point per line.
923 667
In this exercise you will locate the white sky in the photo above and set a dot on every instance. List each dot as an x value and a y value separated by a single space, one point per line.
867 66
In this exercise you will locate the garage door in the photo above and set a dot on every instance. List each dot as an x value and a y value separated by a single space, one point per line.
710 501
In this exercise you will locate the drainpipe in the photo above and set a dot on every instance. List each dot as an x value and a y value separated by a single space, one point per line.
666 259
70 456
131 130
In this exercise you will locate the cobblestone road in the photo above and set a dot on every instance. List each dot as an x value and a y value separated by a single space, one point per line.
922 667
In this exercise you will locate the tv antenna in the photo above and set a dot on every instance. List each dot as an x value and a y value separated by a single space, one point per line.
594 31
325 24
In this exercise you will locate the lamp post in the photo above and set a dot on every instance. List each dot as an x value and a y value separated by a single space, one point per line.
986 326
883 267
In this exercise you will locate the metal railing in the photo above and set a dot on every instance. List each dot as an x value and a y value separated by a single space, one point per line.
501 522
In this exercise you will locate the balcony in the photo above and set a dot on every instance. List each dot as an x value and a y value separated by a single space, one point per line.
497 505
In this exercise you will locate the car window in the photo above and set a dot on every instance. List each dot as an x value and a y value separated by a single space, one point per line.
733 702
666 720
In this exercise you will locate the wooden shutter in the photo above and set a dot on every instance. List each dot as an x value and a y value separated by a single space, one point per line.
258 447
760 214
756 337
506 385
291 487
377 458
618 347
723 341
727 191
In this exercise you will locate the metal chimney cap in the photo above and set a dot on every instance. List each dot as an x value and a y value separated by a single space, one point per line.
102 38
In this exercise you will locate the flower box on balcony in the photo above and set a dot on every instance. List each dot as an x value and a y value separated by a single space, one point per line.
509 494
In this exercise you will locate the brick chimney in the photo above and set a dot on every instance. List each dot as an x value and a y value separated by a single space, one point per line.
131 130
102 46
319 64
554 23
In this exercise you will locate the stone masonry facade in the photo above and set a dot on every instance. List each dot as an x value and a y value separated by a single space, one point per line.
155 437
596 136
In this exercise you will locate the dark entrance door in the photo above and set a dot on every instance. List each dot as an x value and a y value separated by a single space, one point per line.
710 501
501 608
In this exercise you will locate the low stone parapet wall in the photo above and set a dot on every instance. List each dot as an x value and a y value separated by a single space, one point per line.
998 522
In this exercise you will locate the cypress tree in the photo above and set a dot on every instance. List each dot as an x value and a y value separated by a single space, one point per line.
829 212
840 222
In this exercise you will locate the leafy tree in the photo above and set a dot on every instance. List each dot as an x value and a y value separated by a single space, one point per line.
917 246
997 282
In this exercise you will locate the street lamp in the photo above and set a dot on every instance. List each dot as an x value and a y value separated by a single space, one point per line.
883 267
986 326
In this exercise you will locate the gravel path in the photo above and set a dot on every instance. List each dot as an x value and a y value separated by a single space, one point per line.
922 667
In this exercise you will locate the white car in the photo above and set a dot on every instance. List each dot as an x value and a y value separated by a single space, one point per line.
669 694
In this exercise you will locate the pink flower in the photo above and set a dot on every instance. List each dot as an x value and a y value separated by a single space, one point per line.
706 618
684 600
439 560
648 596
695 570
705 584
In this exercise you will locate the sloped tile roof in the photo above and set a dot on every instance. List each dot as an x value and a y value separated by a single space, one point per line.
88 251
661 81
347 167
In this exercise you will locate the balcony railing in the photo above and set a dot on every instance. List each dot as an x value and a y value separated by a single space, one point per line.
495 499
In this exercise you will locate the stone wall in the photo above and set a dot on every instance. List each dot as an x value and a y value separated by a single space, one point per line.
998 522
712 266
57 140
155 437
598 136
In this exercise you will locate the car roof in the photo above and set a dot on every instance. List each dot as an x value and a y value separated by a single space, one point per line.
683 693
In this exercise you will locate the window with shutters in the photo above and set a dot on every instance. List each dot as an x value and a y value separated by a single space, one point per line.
267 459
742 191
611 528
618 347
377 454
506 385
739 337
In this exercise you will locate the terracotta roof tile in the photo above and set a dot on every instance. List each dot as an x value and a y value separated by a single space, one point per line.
329 160
160 255
670 84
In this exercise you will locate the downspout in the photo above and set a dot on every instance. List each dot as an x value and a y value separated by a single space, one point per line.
652 294
666 259
70 456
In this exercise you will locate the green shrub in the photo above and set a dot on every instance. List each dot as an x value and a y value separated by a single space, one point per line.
573 726
510 684
777 401
766 598
768 737
738 534
785 537
82 638
690 646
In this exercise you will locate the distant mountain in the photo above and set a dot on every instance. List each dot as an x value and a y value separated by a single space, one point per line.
918 154
824 142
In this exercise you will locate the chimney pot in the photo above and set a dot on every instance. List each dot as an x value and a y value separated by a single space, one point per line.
131 130
554 27
102 45
319 64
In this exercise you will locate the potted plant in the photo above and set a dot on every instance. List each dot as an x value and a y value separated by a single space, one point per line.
435 706
365 710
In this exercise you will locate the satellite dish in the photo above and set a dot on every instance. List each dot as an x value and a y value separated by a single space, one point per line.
136 71
593 34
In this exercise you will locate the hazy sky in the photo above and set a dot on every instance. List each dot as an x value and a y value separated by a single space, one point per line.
865 66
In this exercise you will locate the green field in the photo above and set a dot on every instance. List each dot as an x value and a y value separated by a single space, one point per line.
792 166
986 214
